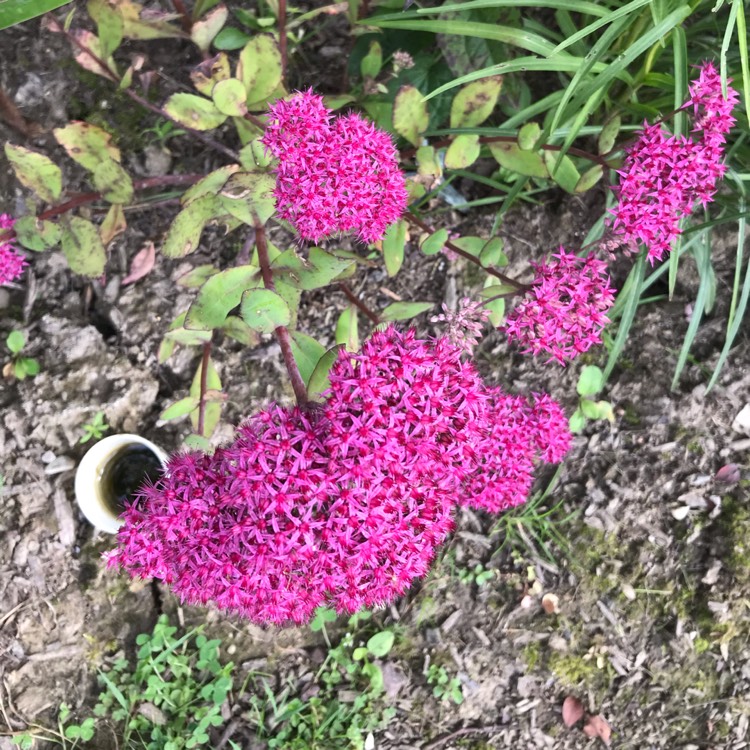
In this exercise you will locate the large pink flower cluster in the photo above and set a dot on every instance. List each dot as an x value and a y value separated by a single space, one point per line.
565 309
11 262
664 175
334 175
344 502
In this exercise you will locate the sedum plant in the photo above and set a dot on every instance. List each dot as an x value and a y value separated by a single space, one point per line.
342 499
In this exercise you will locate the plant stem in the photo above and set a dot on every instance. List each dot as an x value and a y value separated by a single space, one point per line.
204 386
185 19
456 249
357 302
85 198
282 38
281 332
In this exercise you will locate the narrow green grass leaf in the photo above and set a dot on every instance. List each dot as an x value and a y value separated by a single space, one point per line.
13 12
725 42
632 291
739 303
506 34
681 76
573 6
626 10
705 271
742 41
557 64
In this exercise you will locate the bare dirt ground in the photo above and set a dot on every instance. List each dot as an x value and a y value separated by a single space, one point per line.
653 585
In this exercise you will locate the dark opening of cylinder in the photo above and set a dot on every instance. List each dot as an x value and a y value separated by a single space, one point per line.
125 472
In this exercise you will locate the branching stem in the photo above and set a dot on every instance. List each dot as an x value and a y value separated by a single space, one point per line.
357 302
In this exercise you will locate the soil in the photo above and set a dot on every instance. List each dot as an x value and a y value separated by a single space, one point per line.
652 577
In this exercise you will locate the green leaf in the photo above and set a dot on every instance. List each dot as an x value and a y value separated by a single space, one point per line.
510 156
211 184
253 156
314 273
428 164
493 286
248 196
492 253
229 97
15 341
347 329
381 643
307 353
231 38
474 103
37 234
219 295
463 152
197 443
433 244
30 365
528 136
113 182
322 616
197 276
204 31
114 223
590 381
319 382
109 25
608 136
194 111
359 653
87 144
565 175
184 234
372 62
35 171
394 243
577 421
180 408
589 178
264 310
259 68
13 12
237 329
410 115
405 310
82 247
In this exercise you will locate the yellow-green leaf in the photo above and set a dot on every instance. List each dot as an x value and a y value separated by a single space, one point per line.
347 329
410 115
36 234
87 144
510 156
259 68
219 295
474 103
229 97
109 25
35 171
194 111
528 136
113 182
565 175
203 32
82 247
463 152
248 196
114 223
264 310
210 72
394 243
185 232
589 178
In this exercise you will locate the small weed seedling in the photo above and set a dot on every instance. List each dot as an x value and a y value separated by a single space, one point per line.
478 575
444 687
347 706
19 367
67 735
95 429
590 383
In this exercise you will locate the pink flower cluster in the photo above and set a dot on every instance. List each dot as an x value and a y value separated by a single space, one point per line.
334 175
664 175
11 262
565 309
344 502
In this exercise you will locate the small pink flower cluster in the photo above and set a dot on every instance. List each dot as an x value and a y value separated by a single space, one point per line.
11 262
344 502
334 175
664 175
565 309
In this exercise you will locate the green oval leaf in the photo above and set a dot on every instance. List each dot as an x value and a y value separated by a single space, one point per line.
35 171
113 182
180 408
394 243
381 643
609 134
565 175
410 115
83 248
589 178
12 13
203 32
87 144
474 103
319 382
528 136
259 68
37 234
218 295
590 381
15 341
307 353
527 163
404 310
229 97
184 234
372 62
435 242
463 152
264 310
194 111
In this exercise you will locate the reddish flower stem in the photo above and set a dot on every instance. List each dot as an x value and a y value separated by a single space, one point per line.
281 332
185 18
456 249
204 386
86 198
357 302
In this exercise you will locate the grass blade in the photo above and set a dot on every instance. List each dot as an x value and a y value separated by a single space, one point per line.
632 291
742 41
573 6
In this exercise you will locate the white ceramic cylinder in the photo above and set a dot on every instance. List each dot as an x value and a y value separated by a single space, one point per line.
89 489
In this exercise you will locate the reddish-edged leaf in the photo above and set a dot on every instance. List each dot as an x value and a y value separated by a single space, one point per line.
572 711
729 474
141 264
596 726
